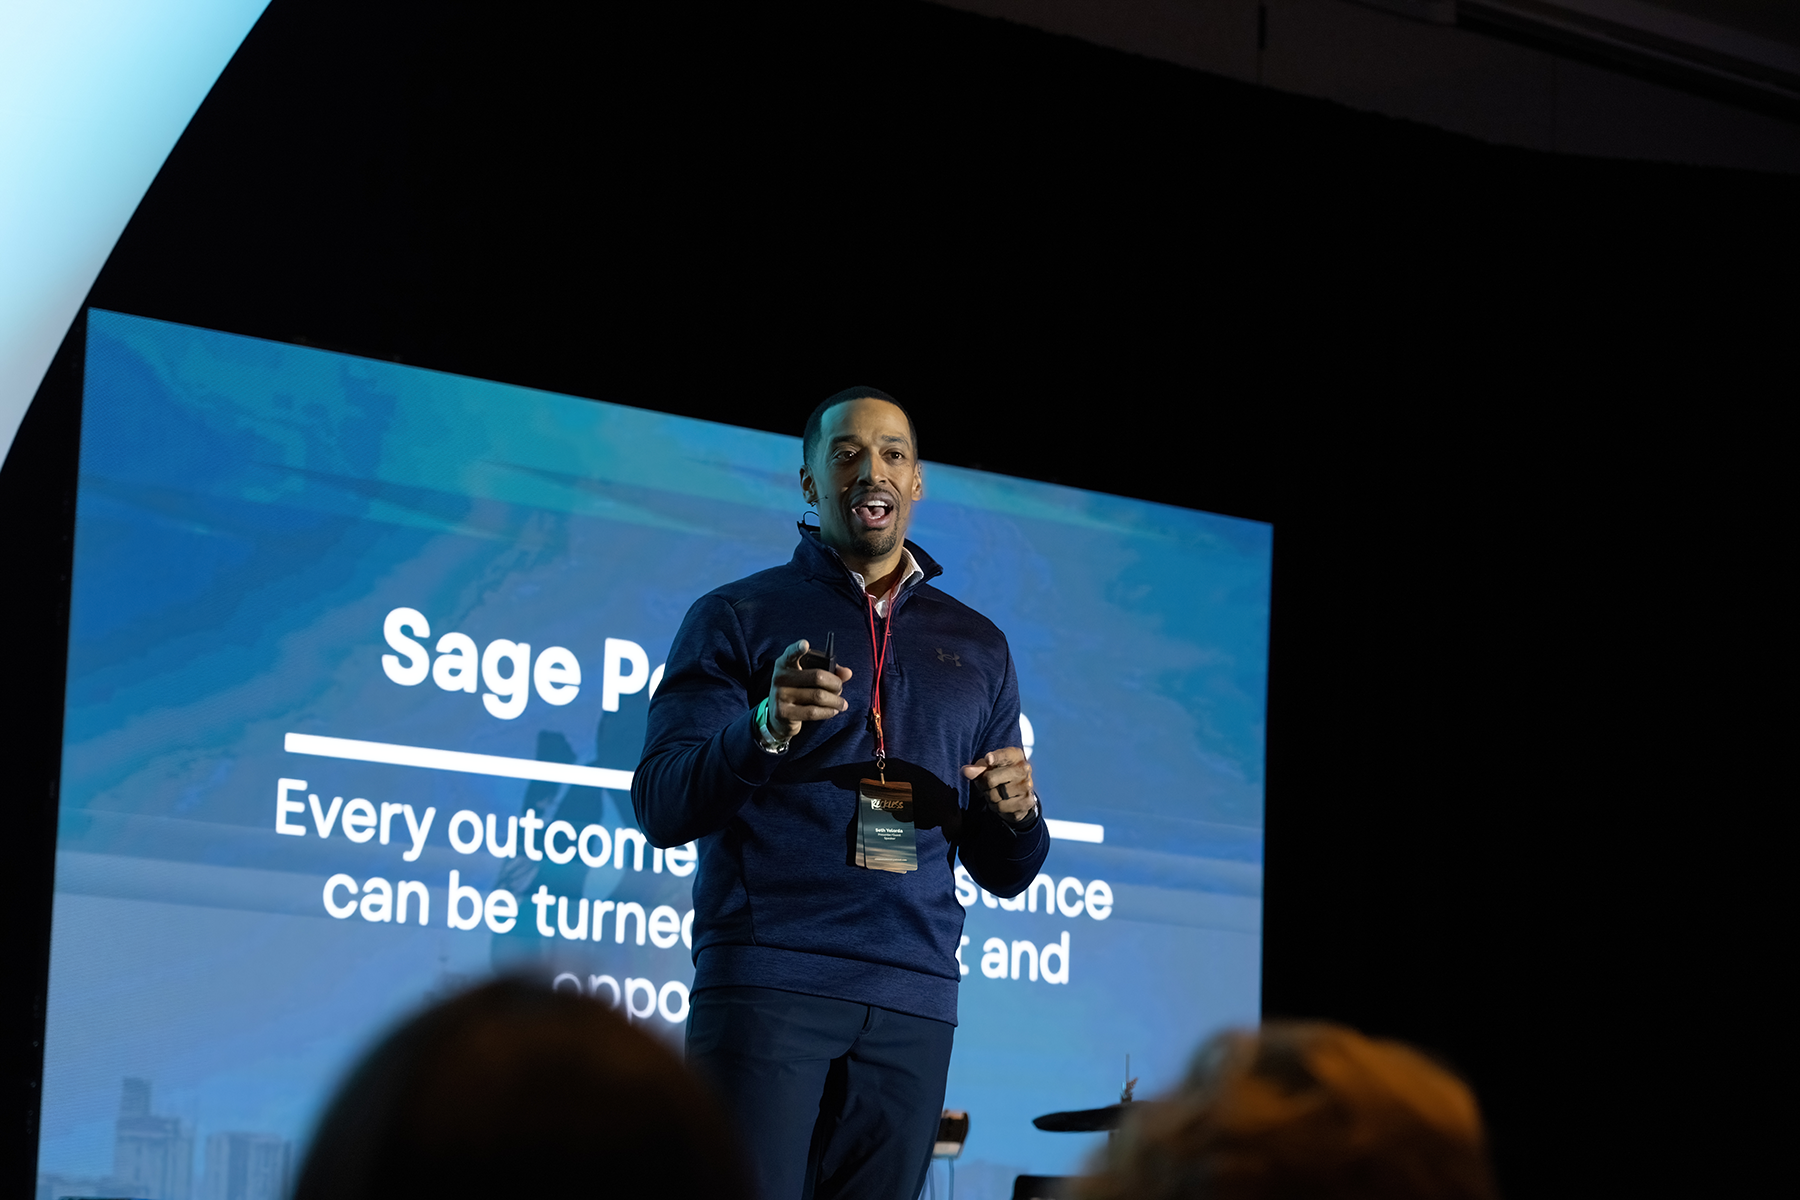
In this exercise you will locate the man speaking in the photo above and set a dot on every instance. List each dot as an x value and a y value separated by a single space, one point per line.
835 732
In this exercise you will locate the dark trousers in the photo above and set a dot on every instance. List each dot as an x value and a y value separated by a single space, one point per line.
833 1099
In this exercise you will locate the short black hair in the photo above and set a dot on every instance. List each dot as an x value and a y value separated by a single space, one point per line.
809 438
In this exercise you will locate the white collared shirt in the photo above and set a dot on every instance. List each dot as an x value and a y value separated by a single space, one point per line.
909 571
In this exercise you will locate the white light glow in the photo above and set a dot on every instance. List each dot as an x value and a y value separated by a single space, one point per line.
93 95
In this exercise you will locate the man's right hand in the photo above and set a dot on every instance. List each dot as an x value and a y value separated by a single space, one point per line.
796 695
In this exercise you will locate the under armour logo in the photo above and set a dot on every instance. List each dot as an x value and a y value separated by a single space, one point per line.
949 658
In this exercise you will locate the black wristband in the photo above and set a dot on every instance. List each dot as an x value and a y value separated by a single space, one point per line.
1030 821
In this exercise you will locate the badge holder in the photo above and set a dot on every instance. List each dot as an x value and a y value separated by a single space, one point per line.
885 836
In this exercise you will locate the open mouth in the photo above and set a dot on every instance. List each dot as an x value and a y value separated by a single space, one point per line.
874 513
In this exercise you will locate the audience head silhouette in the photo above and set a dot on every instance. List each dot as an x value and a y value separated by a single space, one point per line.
1310 1111
514 1089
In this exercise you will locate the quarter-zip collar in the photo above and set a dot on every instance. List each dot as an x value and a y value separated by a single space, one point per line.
913 572
821 562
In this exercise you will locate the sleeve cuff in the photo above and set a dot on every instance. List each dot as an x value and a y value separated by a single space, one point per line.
1032 820
744 754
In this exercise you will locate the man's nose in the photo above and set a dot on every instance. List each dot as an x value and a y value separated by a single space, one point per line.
872 469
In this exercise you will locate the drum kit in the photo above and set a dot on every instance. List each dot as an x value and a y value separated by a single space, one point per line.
1093 1120
953 1131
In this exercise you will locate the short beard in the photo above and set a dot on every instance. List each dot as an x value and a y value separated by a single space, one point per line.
877 543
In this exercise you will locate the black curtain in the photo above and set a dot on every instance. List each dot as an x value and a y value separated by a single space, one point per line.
1511 413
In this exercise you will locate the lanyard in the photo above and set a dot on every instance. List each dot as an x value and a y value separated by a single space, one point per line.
880 653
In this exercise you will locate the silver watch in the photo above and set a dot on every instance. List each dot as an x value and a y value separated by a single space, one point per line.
765 737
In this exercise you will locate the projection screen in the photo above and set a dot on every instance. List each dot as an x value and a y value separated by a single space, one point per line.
338 625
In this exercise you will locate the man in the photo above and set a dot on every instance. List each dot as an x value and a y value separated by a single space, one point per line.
826 926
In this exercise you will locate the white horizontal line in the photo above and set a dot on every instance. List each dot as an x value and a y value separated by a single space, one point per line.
1069 831
458 760
549 772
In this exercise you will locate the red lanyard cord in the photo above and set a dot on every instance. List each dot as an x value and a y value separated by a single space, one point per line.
880 654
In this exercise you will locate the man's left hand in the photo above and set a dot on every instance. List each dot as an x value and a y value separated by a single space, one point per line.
1003 778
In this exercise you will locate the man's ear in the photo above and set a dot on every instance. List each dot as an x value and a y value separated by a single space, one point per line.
918 488
807 489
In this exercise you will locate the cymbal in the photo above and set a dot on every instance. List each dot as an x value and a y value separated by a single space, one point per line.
1083 1120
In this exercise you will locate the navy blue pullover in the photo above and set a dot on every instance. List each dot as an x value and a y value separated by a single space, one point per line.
778 899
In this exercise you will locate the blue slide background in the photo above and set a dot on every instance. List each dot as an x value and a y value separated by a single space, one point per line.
248 514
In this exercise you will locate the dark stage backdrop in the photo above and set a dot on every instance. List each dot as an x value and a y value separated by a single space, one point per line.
1500 407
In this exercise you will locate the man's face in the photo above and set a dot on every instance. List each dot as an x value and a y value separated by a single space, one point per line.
864 476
